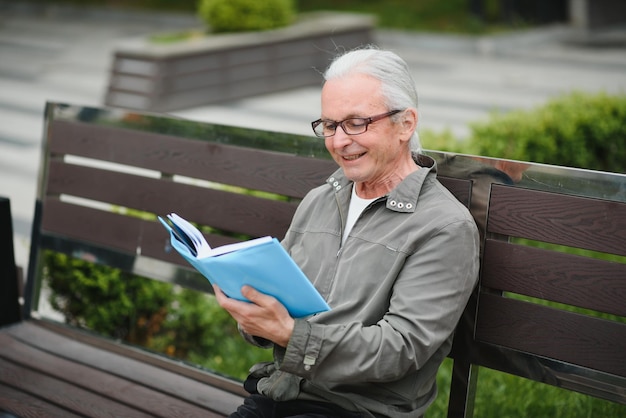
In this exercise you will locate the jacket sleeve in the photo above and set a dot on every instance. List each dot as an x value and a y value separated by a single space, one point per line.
255 341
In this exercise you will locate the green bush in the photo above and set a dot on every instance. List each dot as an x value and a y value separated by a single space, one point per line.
105 299
576 130
182 323
246 15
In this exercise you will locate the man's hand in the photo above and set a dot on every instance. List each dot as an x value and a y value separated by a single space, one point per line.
265 317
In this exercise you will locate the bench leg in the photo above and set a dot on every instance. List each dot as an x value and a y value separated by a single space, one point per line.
462 389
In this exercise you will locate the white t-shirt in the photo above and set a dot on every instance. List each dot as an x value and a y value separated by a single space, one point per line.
357 206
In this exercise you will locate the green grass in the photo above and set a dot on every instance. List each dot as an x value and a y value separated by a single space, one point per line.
502 395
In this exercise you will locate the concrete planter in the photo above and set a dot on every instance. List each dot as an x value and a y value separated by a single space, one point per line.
215 68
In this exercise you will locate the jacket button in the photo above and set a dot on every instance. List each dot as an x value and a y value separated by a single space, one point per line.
392 203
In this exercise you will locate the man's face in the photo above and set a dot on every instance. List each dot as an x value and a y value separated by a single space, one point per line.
372 156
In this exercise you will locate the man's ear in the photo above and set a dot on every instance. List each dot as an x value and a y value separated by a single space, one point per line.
409 122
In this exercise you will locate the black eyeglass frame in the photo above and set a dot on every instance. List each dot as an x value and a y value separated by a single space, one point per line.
366 122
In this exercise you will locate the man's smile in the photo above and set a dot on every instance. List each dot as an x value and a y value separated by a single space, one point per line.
353 156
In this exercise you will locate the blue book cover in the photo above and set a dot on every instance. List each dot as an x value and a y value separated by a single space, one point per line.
261 263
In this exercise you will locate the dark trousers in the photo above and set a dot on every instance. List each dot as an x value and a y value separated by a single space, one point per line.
259 406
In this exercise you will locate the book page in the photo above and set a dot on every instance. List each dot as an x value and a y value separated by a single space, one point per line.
203 249
229 248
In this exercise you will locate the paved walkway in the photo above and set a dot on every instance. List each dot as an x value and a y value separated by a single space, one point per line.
64 55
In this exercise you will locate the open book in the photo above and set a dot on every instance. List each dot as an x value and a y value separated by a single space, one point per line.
261 263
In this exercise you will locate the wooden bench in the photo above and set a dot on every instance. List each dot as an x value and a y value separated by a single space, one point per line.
160 165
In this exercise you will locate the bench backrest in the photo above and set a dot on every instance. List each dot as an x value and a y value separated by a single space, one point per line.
511 267
122 171
124 168
551 301
105 181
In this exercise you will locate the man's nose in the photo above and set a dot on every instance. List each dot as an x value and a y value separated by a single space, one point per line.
341 138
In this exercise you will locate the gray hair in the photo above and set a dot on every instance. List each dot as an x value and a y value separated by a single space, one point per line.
398 87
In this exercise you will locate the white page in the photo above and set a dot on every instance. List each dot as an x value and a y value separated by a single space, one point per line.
202 246
229 248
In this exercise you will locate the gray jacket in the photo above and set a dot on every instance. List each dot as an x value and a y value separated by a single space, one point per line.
396 288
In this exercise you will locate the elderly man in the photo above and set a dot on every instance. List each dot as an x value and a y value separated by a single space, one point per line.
392 251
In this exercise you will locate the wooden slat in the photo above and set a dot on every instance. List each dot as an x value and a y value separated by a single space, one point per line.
19 355
565 336
565 278
67 395
87 224
23 404
224 210
593 224
137 375
240 166
77 225
133 235
460 188
221 383
72 228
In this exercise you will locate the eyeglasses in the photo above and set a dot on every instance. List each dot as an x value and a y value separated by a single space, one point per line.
353 126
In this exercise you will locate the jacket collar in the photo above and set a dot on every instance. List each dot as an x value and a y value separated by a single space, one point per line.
401 199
